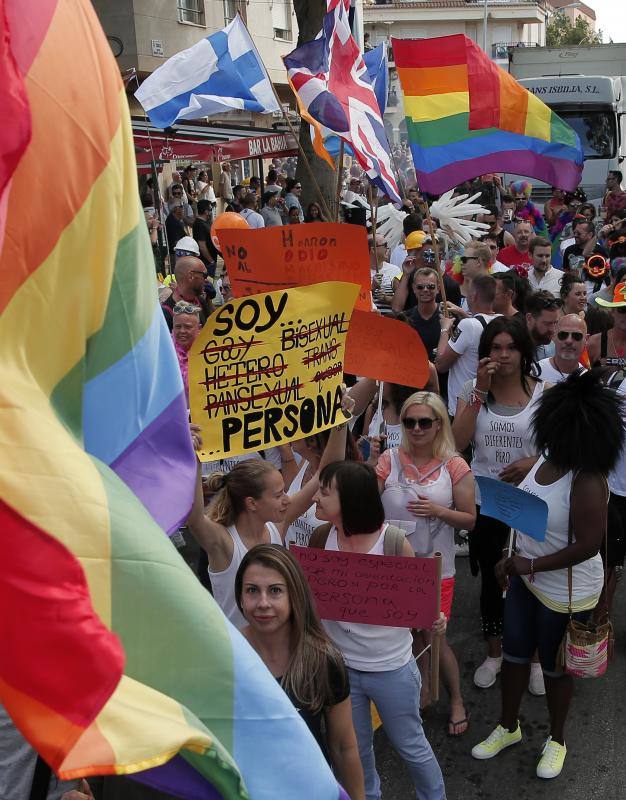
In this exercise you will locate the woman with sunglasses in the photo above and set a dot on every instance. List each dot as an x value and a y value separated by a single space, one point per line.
427 489
380 662
494 413
282 625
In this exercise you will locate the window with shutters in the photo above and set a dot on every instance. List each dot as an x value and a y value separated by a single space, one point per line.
281 19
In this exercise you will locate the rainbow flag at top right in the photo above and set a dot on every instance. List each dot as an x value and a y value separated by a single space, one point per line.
466 117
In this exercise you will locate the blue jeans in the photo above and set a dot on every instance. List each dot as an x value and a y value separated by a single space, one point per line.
396 695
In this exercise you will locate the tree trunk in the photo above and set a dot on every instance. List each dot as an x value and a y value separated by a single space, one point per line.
309 14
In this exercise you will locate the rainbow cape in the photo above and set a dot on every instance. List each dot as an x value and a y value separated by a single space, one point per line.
465 117
114 658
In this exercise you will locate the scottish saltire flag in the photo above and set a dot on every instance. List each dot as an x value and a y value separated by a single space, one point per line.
378 73
330 78
220 73
114 659
465 116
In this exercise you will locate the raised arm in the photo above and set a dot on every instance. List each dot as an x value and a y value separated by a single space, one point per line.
402 288
211 536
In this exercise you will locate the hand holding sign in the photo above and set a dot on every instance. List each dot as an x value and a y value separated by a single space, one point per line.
268 369
515 507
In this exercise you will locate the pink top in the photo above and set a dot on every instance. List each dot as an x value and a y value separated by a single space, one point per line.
457 466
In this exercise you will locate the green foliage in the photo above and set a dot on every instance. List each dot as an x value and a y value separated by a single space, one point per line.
560 32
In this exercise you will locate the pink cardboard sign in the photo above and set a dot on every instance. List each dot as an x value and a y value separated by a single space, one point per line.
376 590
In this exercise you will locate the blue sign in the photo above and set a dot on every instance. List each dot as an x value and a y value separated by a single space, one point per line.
519 509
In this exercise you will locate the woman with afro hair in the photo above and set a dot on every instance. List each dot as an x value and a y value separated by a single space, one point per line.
578 430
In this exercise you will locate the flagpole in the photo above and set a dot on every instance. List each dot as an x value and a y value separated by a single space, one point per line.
339 180
442 287
374 220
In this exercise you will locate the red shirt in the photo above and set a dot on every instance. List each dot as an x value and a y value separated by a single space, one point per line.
511 257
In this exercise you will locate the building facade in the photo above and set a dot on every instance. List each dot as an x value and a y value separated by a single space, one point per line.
145 33
506 23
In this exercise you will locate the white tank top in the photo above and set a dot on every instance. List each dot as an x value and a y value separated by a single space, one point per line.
427 535
300 530
223 583
617 477
500 440
393 432
369 648
587 577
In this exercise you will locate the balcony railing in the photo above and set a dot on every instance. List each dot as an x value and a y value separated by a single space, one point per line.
500 50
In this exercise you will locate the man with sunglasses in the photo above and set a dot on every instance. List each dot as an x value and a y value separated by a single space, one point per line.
420 254
425 317
585 244
570 342
382 273
190 275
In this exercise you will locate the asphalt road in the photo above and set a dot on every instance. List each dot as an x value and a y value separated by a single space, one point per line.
595 766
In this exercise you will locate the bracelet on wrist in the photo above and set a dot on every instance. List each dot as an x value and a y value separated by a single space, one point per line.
531 577
481 392
475 400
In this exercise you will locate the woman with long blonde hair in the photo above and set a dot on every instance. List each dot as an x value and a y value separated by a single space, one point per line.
274 597
427 489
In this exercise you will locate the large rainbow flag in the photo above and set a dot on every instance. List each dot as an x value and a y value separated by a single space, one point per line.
114 659
466 117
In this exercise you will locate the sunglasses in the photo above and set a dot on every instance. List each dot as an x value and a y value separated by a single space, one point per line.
423 423
186 308
577 336
548 305
177 194
421 287
465 259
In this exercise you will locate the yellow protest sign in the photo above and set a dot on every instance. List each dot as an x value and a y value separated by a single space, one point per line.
267 369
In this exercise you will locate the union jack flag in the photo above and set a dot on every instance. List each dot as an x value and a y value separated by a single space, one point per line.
331 81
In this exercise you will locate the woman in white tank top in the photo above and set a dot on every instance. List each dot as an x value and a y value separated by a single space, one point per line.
578 426
380 661
494 414
428 490
250 507
310 450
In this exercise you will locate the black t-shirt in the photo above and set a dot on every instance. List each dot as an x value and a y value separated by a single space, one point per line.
339 690
175 230
453 292
428 329
202 233
576 250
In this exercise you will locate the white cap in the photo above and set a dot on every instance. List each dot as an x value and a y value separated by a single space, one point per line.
188 244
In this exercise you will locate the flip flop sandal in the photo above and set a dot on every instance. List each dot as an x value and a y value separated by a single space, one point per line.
455 726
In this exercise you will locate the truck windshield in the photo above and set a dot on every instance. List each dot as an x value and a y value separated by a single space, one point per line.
596 129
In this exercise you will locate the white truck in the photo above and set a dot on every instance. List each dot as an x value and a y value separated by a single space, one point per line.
586 87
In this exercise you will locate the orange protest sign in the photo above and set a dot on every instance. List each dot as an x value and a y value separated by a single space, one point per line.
282 257
386 350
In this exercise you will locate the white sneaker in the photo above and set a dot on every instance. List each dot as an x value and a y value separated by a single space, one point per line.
485 675
461 549
536 685
552 759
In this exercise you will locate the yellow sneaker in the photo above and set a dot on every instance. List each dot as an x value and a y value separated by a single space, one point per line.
552 759
497 740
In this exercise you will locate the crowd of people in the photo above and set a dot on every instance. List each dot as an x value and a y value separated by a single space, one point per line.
525 331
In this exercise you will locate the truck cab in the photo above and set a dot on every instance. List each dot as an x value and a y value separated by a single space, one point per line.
593 106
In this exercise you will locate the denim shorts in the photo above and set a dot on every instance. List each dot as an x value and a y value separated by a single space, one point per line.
530 626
